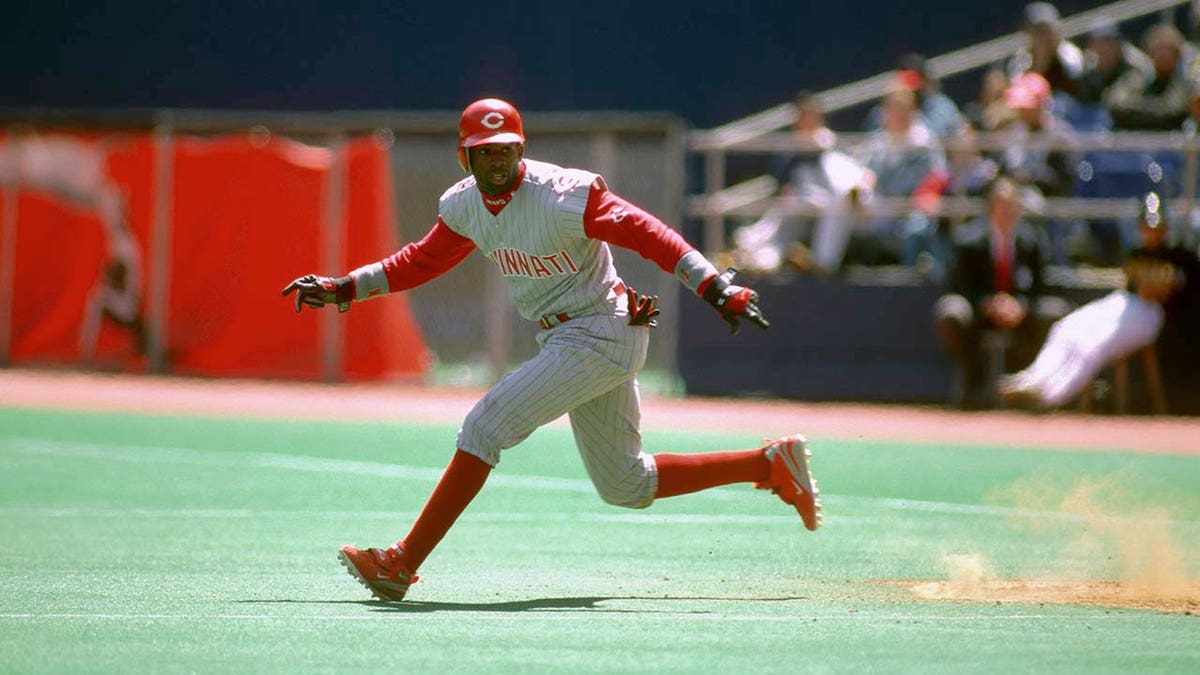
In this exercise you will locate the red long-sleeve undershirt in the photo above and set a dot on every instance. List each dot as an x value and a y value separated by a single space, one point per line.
611 218
607 217
421 261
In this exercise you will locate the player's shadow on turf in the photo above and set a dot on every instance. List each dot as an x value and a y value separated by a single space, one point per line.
584 603
537 604
553 604
416 606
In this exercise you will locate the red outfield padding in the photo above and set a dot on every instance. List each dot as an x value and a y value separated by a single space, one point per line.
246 217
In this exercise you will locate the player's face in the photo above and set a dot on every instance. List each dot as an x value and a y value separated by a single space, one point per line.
495 165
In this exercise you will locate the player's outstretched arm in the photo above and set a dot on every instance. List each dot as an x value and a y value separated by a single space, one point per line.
411 266
317 291
613 219
734 302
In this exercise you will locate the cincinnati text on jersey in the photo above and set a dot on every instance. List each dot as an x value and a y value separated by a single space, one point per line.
515 263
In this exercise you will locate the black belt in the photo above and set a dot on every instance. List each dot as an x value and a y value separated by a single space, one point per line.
550 321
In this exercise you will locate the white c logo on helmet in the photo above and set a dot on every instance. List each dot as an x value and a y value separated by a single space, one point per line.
493 120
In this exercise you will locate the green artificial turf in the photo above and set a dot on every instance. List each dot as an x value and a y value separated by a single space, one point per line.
161 544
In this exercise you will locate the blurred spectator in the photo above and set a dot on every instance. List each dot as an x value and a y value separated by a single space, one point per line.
991 93
1158 101
1161 286
903 155
778 237
1040 152
969 173
1046 161
995 287
903 151
899 160
795 170
937 111
1108 57
1046 52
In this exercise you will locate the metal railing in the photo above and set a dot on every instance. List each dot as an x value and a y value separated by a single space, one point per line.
756 197
741 135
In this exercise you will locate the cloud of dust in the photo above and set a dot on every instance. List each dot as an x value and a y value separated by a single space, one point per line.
1105 531
968 572
971 577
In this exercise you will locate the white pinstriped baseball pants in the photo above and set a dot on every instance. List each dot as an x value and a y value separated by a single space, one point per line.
585 368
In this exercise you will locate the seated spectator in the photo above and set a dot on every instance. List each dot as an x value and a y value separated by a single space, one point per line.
1047 53
936 110
991 94
995 284
902 155
1027 111
969 173
795 170
1107 58
1040 152
1158 101
893 162
1161 286
777 239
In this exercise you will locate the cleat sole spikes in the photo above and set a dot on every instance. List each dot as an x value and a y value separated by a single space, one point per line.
382 591
791 478
345 560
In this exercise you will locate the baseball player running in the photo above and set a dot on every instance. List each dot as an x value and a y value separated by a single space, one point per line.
548 230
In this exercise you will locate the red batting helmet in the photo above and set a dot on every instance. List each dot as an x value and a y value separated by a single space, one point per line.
488 120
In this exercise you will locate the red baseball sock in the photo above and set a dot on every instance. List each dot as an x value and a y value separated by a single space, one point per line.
684 474
459 484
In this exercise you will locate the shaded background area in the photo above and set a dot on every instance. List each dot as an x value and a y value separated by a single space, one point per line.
709 62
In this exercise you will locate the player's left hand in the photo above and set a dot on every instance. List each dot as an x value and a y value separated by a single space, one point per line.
735 302
642 308
317 291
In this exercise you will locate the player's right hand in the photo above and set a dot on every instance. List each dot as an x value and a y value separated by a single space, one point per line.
735 302
642 308
317 291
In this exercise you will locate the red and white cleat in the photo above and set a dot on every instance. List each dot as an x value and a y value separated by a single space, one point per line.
380 570
791 478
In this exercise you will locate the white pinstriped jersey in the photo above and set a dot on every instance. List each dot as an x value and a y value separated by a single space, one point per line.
537 241
549 238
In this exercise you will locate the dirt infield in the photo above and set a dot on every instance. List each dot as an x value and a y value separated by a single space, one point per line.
70 390
1156 578
1093 593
